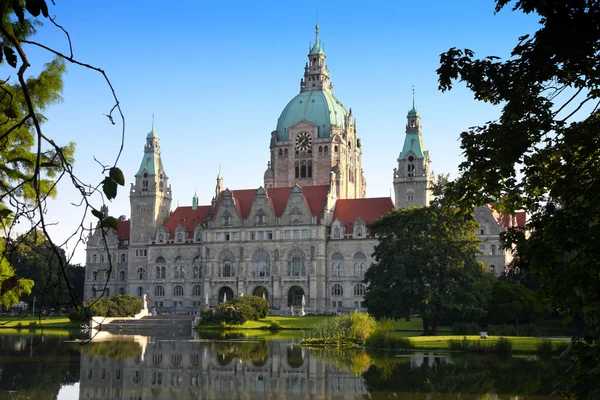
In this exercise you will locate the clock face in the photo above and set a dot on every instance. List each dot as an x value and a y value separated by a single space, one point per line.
303 141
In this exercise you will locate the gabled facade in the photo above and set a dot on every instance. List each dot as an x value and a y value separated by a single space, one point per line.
302 239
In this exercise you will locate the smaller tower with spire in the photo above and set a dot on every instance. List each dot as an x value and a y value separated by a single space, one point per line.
316 73
220 184
412 177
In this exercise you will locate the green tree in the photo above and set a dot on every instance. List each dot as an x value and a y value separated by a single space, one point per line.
32 163
425 259
542 155
11 286
512 302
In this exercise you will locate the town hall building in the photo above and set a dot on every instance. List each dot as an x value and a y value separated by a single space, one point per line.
301 239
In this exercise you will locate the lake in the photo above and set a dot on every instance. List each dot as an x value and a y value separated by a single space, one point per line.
34 366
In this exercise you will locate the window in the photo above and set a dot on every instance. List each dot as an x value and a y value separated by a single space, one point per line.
226 264
236 236
178 291
159 291
179 237
296 234
360 264
220 237
261 235
196 272
122 275
337 265
163 272
269 235
492 269
94 258
320 149
197 291
359 289
141 273
410 198
198 236
176 274
260 266
95 275
336 232
157 272
140 291
161 238
359 232
326 149
411 170
304 233
123 258
296 263
260 217
101 258
482 231
288 235
337 290
335 149
122 291
226 219
493 249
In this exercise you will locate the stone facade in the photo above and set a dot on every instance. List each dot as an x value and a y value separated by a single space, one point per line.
302 240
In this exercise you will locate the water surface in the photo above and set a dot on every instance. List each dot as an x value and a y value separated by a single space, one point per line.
146 367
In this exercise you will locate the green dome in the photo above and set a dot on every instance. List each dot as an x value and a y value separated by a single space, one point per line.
315 106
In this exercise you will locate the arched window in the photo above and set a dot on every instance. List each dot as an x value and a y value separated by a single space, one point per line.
198 236
226 264
482 231
163 272
336 232
359 232
320 149
196 271
285 152
179 237
176 274
261 265
122 275
94 258
95 275
303 169
140 291
141 273
411 169
198 267
309 173
335 149
197 291
280 152
493 249
296 263
178 291
337 264
326 149
337 290
123 258
297 170
161 238
159 291
161 260
122 291
181 272
157 272
360 264
107 292
359 289
101 258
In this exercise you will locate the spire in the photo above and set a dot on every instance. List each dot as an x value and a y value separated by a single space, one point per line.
413 112
219 174
195 201
220 187
316 74
317 48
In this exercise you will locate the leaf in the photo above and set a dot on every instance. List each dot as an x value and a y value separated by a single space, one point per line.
33 7
109 187
11 57
10 112
97 214
19 11
109 222
117 175
5 213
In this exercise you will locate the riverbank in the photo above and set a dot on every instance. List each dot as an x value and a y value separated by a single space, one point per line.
35 322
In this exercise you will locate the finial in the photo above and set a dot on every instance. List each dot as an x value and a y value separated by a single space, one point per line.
316 34
413 96
152 121
219 175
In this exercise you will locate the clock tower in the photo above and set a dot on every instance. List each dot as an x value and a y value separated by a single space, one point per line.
315 142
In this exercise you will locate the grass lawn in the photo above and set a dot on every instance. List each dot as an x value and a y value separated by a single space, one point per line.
49 322
519 343
286 322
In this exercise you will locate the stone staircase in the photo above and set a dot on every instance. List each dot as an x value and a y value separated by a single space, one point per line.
153 325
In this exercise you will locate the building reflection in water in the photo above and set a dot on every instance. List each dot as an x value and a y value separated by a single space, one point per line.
139 367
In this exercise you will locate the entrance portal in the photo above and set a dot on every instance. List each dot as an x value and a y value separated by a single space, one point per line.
260 291
225 290
295 296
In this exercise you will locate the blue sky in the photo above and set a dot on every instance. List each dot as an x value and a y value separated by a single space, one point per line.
217 75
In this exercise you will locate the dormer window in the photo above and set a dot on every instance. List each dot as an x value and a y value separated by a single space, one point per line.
359 232
198 236
161 238
336 232
179 237
226 219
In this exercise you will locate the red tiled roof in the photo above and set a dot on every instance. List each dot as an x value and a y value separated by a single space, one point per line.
186 217
315 197
349 210
521 219
123 232
517 220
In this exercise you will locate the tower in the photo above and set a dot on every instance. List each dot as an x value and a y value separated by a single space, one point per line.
316 134
150 195
412 177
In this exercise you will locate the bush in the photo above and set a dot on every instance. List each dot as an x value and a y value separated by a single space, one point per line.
388 340
115 306
275 325
465 328
76 316
349 327
32 326
236 312
501 346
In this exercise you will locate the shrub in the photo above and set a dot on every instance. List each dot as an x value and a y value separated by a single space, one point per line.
501 346
465 328
275 325
380 339
19 326
32 326
544 348
115 306
349 327
77 316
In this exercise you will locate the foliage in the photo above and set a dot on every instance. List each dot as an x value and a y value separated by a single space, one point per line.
425 259
115 306
512 302
580 381
274 326
354 327
357 361
32 162
236 311
114 349
465 328
546 149
501 346
12 288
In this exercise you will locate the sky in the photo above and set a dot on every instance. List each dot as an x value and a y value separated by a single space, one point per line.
216 76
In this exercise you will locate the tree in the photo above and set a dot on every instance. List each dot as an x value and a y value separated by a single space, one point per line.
11 287
543 155
512 302
32 163
425 259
